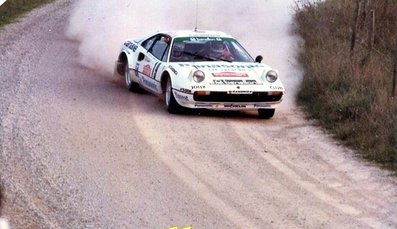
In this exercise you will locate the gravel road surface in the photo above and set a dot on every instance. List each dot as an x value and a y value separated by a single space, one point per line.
79 151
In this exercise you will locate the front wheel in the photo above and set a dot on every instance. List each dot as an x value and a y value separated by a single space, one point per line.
266 113
171 104
129 84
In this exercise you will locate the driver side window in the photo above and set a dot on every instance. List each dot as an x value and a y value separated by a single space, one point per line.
149 42
160 47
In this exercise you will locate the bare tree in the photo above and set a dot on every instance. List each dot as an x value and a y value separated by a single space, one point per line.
355 27
394 91
385 8
372 32
371 38
366 5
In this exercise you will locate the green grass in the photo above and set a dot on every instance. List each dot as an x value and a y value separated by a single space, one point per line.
350 93
12 9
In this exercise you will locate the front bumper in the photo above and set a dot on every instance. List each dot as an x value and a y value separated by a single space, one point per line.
218 100
257 97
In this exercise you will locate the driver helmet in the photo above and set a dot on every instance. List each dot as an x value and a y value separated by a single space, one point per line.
177 51
218 48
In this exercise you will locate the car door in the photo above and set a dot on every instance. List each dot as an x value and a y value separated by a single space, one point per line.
148 63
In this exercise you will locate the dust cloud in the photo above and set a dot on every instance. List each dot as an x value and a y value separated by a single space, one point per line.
262 26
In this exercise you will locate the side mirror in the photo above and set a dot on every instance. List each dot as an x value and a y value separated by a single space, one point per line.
141 56
258 59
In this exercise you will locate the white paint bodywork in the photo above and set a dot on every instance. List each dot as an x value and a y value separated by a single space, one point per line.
220 76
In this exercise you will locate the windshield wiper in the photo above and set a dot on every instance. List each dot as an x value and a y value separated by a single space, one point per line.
222 59
210 58
197 56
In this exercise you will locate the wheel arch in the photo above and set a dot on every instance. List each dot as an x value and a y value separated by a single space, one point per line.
121 61
164 76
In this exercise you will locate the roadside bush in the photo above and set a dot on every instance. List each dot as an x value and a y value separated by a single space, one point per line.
348 78
11 9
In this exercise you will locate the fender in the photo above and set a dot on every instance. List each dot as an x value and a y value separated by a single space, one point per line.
120 64
177 78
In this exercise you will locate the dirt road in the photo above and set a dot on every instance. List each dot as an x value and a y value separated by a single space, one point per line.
78 151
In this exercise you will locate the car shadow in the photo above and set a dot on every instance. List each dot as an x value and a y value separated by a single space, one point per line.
219 113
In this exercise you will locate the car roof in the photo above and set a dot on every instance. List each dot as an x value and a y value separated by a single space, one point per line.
196 33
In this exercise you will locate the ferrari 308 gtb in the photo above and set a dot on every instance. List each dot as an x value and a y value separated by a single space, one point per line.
199 69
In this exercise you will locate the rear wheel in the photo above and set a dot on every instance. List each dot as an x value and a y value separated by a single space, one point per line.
266 113
129 84
170 102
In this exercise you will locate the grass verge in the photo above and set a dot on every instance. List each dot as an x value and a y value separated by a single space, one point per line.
348 55
12 9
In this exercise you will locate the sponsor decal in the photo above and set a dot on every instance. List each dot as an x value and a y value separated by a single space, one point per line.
201 105
226 67
173 70
276 88
131 45
251 82
198 87
240 92
235 82
149 84
234 106
181 96
205 38
223 67
261 106
146 70
230 74
186 90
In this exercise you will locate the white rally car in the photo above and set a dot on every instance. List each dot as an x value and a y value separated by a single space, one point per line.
199 69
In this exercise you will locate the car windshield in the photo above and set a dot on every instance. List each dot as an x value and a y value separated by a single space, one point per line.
195 49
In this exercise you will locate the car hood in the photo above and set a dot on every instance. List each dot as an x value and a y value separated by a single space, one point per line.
224 69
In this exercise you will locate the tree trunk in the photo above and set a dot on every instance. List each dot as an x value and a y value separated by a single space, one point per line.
394 92
385 8
372 33
355 28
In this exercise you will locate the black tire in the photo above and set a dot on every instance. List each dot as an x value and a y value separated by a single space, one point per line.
266 113
171 104
129 84
118 78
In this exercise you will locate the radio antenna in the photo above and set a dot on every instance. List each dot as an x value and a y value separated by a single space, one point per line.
195 28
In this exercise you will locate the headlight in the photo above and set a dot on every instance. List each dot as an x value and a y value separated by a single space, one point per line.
198 76
271 76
